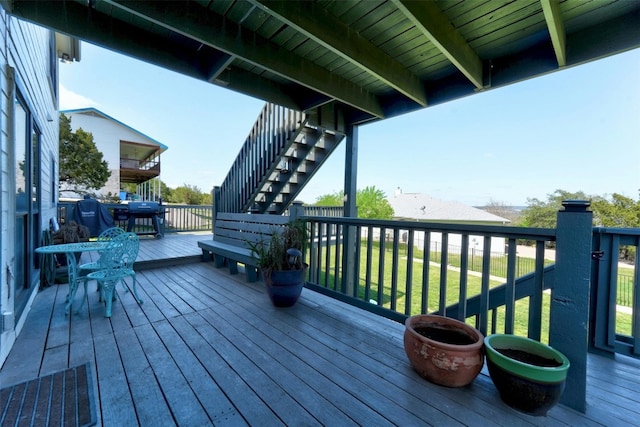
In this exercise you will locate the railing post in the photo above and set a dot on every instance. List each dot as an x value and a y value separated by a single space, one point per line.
296 210
569 313
216 206
350 209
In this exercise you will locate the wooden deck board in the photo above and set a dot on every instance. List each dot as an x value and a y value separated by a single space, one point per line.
116 403
346 377
144 389
278 376
208 348
213 399
181 398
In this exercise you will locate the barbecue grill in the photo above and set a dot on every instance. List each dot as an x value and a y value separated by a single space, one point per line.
150 210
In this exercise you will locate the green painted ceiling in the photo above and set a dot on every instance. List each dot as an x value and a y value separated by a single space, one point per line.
370 59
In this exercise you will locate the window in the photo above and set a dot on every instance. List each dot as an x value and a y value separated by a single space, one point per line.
53 63
27 146
52 178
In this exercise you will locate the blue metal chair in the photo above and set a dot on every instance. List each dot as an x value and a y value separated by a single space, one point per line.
84 269
116 264
105 236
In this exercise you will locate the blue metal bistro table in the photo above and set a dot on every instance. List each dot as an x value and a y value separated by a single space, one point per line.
70 250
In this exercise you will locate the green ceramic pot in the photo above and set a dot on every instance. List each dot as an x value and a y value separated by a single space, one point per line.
530 376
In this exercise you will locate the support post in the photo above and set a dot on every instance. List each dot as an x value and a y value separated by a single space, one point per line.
216 206
569 312
296 210
350 209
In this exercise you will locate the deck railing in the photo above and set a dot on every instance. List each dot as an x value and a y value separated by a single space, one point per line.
188 218
179 218
323 211
615 291
176 218
404 268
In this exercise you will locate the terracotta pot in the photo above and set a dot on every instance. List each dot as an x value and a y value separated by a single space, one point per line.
530 376
284 287
451 354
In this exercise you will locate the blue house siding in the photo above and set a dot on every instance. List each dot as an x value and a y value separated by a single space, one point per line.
28 72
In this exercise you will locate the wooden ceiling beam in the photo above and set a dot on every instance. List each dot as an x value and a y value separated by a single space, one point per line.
325 29
77 20
555 24
196 22
219 65
428 18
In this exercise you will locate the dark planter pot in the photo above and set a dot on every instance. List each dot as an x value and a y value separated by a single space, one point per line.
530 376
445 351
284 287
62 273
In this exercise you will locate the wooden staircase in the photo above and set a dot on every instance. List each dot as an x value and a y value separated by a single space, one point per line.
280 155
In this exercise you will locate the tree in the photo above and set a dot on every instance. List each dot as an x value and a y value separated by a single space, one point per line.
372 203
129 187
621 211
163 191
189 195
207 199
81 164
543 214
334 199
608 211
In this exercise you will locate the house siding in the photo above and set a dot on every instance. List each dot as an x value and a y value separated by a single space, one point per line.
25 66
107 135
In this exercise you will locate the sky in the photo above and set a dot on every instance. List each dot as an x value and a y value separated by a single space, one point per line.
574 130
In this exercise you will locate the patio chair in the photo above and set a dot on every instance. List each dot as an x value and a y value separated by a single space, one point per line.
86 268
105 236
116 264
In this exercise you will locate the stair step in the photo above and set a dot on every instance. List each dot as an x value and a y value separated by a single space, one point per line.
303 147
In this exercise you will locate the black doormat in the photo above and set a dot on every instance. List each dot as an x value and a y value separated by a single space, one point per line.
64 398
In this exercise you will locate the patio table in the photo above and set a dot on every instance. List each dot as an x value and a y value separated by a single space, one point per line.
70 250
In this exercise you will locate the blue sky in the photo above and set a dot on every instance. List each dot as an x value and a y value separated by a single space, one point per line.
575 130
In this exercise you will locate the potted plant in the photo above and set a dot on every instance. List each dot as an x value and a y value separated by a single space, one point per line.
281 263
443 350
529 375
70 232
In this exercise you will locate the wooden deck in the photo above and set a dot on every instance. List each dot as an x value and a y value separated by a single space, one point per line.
208 348
172 249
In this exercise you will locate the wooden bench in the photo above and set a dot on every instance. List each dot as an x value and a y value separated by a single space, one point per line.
232 235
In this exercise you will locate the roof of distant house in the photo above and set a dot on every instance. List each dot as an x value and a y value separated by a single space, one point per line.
95 112
418 206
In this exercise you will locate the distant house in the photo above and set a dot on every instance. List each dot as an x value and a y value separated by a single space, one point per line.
133 157
424 208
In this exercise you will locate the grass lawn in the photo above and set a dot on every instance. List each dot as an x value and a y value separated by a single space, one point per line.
408 296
